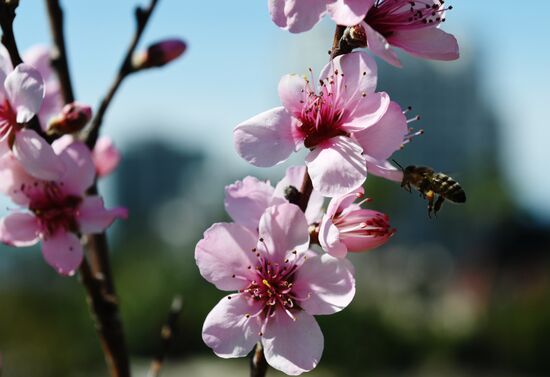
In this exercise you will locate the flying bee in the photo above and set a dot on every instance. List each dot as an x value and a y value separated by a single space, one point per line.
431 184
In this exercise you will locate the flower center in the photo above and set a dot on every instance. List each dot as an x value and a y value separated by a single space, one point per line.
8 122
388 16
53 209
320 118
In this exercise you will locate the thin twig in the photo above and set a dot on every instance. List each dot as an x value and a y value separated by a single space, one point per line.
339 44
142 17
167 334
107 320
59 56
258 364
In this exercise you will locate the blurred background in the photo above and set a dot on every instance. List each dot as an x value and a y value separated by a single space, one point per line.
465 294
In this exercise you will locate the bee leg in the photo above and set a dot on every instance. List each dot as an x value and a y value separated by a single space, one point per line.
430 195
438 204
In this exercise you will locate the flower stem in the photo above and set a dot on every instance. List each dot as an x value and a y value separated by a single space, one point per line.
142 18
258 364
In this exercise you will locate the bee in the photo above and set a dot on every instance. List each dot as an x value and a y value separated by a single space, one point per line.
431 184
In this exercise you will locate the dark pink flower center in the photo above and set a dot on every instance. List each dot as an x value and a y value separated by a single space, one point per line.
388 16
362 223
53 209
321 117
8 122
273 284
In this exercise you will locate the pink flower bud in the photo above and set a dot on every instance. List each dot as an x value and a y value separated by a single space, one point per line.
106 156
159 54
73 117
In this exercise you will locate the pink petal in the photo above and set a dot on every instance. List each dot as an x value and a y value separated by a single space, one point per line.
337 167
295 177
337 204
386 136
293 346
246 200
384 169
93 217
328 282
106 156
429 43
293 94
366 112
5 67
79 167
225 251
19 229
37 156
284 229
13 177
297 16
349 12
63 252
38 56
380 46
228 330
25 89
329 239
356 75
265 139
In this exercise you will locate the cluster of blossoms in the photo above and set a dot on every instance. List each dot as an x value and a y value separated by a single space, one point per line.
48 182
284 258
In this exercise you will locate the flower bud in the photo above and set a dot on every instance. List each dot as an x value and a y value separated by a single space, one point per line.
73 117
159 54
106 156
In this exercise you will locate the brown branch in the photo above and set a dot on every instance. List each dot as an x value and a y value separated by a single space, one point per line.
107 320
142 17
167 334
59 56
258 364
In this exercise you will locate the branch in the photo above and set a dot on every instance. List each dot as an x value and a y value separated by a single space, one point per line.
107 320
167 333
258 364
142 17
59 56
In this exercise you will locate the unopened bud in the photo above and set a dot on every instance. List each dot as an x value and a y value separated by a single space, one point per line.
73 117
355 36
159 54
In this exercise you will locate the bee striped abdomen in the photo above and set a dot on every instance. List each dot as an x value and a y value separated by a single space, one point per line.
448 188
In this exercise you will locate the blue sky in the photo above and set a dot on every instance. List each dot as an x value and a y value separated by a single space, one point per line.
236 57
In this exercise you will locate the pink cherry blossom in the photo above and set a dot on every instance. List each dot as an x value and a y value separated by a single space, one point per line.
106 156
246 200
298 16
348 227
280 285
21 96
346 125
409 25
58 211
39 56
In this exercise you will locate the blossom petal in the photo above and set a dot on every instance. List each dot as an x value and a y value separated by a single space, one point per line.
63 252
328 283
230 329
380 46
354 75
297 16
293 346
19 229
294 176
338 204
429 43
25 90
349 12
93 217
384 169
329 239
337 167
293 93
106 156
226 251
366 112
79 166
37 156
386 136
246 200
284 229
265 139
13 178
